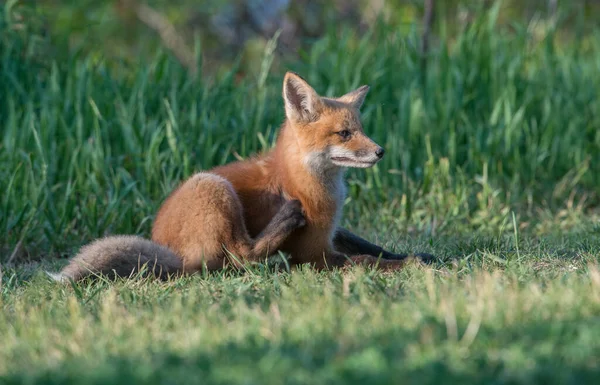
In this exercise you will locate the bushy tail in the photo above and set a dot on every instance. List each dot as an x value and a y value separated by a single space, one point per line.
120 256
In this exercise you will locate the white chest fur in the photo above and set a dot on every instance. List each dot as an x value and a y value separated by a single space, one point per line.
331 177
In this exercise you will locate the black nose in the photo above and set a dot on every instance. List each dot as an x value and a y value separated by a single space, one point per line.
380 151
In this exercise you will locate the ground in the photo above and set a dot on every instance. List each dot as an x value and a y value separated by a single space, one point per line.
495 311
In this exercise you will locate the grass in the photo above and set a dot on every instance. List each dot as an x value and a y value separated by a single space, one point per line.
500 121
530 319
492 164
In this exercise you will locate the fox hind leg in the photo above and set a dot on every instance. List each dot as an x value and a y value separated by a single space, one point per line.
203 221
286 220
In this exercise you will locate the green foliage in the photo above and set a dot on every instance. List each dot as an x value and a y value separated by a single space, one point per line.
499 117
534 321
492 164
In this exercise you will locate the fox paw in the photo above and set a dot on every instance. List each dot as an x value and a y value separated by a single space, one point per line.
292 214
424 258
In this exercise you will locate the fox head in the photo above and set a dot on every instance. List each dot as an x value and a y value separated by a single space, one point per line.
328 130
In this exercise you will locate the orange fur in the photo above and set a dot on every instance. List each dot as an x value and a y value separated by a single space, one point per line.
289 199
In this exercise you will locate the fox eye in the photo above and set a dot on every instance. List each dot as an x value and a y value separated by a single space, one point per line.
345 134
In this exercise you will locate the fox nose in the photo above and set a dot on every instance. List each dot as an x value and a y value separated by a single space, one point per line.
380 151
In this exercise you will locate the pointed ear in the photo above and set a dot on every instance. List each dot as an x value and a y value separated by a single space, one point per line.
302 103
356 97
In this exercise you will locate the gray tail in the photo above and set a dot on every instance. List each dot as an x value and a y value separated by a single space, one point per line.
57 277
120 256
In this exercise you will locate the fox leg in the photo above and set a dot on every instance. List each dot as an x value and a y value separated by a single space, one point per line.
351 244
286 220
203 222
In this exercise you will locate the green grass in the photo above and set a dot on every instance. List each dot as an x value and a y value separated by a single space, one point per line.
492 164
532 318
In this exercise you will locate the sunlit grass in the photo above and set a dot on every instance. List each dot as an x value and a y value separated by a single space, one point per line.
516 323
492 164
500 122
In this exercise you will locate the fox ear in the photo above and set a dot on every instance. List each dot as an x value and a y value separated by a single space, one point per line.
356 97
302 103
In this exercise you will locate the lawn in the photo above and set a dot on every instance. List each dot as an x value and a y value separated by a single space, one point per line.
496 315
492 164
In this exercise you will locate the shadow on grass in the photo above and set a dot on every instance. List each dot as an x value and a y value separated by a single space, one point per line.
516 355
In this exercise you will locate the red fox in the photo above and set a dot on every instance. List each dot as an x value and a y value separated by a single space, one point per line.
289 199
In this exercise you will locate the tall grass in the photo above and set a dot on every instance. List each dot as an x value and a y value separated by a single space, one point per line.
499 119
492 159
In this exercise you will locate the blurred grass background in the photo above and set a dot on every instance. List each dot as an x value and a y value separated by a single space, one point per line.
490 117
107 105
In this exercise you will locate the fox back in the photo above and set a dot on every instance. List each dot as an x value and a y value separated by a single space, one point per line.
289 199
320 138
